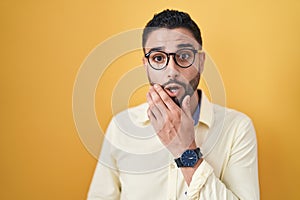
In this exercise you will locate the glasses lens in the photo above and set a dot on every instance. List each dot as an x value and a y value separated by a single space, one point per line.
158 59
185 57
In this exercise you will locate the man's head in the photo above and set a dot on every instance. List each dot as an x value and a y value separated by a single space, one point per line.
172 44
171 19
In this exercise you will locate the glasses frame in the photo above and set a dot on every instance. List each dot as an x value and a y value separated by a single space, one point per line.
147 55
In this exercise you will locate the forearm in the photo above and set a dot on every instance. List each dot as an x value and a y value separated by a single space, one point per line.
188 172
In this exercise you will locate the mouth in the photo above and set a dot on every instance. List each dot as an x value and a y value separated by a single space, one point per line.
173 90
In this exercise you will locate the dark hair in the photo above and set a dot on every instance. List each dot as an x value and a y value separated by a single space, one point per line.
172 19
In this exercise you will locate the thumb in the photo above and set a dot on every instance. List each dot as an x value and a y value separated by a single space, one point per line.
186 106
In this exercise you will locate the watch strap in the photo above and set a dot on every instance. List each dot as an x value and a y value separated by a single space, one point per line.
178 162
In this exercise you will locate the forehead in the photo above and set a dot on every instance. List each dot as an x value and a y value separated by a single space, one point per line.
171 39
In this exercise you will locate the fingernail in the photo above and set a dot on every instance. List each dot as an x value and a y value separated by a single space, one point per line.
156 86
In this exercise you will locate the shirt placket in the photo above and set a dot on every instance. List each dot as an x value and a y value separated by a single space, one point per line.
172 184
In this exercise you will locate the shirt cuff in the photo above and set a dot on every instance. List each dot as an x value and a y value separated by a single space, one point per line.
198 180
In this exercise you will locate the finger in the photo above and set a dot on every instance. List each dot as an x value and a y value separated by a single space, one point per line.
158 102
166 98
154 122
186 106
154 111
172 110
151 115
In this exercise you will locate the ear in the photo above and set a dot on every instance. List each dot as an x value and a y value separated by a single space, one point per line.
202 60
145 62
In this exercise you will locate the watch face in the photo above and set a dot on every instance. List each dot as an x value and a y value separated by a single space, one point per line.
189 158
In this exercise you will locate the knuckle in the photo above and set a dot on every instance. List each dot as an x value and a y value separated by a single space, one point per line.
176 114
158 89
150 106
168 118
156 100
165 97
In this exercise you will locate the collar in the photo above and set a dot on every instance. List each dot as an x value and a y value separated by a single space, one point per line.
204 115
206 112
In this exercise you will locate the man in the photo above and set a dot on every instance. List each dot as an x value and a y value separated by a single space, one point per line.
178 145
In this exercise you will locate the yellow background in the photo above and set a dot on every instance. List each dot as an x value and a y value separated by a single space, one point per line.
255 45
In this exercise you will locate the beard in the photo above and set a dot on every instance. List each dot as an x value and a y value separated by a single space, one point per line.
189 88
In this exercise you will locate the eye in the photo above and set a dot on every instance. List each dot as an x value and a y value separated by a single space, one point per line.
185 55
158 57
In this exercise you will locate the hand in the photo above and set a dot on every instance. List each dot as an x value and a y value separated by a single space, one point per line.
173 125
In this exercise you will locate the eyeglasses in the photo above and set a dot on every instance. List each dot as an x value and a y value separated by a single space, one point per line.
184 58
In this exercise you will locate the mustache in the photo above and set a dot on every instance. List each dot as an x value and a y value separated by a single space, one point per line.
174 81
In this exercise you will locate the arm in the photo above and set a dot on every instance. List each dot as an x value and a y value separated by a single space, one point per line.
175 129
174 126
240 175
105 184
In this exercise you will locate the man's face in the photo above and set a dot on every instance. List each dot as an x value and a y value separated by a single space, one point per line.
177 81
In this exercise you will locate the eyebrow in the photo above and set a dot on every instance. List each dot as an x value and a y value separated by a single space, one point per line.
156 49
185 45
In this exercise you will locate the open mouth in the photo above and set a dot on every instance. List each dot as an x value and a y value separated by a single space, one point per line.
173 90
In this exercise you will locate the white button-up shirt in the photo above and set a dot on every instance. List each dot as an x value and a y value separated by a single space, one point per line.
135 165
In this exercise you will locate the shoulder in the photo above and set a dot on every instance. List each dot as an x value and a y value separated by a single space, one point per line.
230 115
235 124
136 114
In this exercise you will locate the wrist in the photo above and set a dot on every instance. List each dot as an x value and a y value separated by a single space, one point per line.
179 151
192 145
190 158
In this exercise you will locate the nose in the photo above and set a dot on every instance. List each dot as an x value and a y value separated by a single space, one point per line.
172 68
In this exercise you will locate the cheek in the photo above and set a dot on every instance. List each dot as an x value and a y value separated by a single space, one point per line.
154 76
190 73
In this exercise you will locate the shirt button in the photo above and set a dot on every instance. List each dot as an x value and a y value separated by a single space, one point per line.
172 166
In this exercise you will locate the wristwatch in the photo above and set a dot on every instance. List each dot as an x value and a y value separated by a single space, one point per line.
189 158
